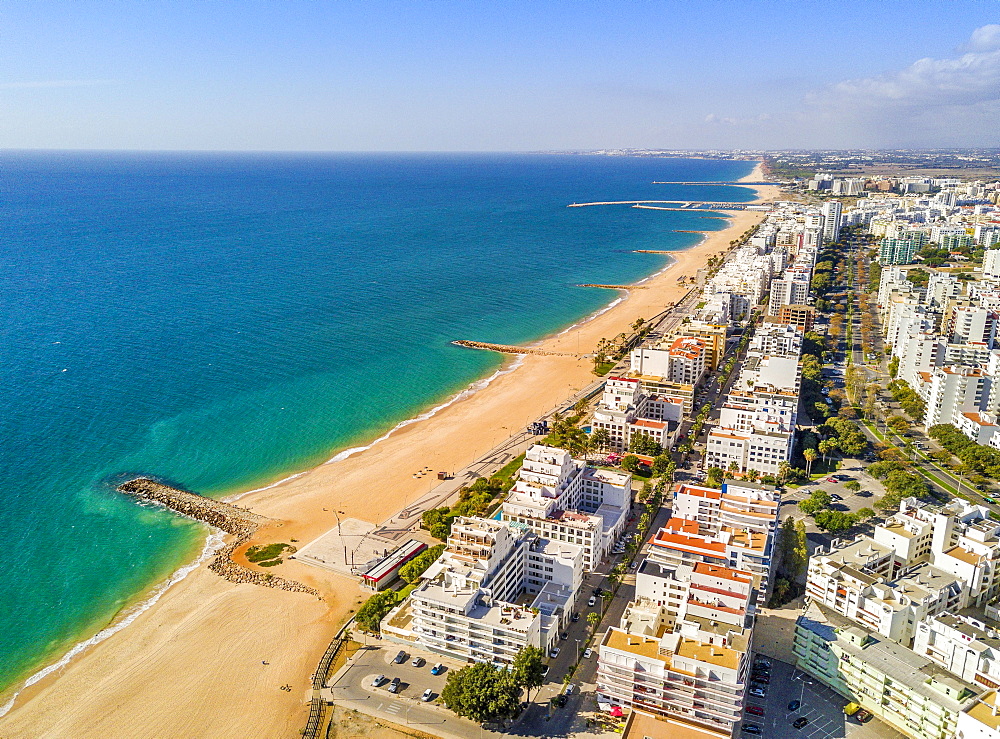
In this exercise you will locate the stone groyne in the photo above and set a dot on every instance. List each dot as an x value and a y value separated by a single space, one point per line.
508 349
616 287
227 517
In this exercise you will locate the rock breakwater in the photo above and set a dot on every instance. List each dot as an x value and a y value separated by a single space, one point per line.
508 349
232 519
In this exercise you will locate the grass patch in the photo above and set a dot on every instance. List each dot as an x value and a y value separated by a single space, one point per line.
603 368
270 563
259 555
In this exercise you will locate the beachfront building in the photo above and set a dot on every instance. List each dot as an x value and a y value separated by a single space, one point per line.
560 498
683 360
496 589
627 410
906 690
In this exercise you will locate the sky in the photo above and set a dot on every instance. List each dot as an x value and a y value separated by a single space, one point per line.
499 76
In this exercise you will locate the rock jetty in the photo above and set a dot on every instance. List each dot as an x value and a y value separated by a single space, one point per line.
508 349
230 518
615 287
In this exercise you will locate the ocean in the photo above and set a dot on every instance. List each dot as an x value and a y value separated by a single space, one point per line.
221 321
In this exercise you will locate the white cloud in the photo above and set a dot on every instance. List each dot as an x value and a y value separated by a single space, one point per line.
984 38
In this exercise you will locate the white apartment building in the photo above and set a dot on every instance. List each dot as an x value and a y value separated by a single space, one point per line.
627 410
972 324
955 390
791 289
756 429
467 604
832 219
561 498
777 340
683 360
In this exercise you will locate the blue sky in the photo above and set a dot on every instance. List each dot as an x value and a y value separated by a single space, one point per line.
443 76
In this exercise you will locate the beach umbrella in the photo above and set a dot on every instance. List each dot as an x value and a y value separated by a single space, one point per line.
616 712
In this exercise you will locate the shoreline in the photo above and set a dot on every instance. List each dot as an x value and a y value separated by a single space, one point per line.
206 617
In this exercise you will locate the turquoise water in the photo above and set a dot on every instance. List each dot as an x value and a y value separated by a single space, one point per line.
220 321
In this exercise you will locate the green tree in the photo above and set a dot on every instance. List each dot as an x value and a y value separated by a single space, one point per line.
373 610
817 501
593 619
600 439
482 693
529 668
413 569
714 477
833 521
630 463
853 485
893 366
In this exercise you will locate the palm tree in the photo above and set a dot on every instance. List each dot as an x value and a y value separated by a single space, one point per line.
826 446
784 470
593 619
810 456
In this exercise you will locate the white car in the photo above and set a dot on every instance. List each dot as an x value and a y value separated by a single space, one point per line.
379 679
554 653
570 688
427 695
592 602
588 653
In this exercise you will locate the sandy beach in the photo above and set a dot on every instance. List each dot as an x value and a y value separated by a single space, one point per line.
193 664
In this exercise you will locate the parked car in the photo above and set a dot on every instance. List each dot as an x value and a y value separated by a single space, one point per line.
758 692
830 479
379 679
794 706
428 694
592 602
437 669
800 722
555 652
751 728
394 685
418 662
598 591
588 653
862 716
762 662
755 710
575 617
400 658
564 636
570 688
835 497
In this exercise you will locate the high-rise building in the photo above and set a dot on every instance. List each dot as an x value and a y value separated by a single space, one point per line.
832 220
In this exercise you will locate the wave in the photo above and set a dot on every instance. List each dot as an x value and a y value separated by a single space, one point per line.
213 544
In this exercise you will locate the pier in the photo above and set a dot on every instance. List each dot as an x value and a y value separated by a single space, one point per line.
733 184
615 287
239 522
682 204
509 349
650 251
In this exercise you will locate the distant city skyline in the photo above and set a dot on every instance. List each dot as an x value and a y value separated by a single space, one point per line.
516 76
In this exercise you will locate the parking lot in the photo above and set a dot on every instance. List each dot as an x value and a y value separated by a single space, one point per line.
849 501
820 705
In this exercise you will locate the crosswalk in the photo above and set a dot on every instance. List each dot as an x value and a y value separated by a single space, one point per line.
395 707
